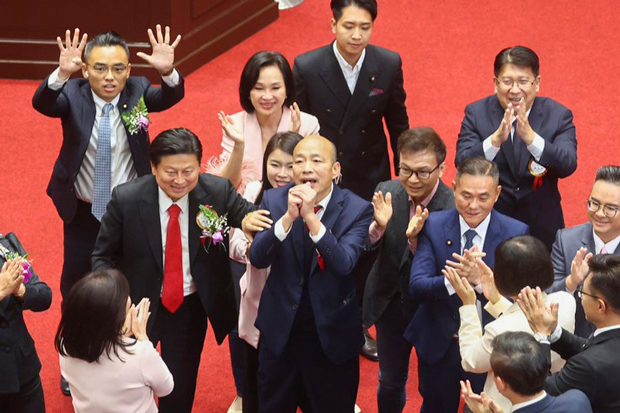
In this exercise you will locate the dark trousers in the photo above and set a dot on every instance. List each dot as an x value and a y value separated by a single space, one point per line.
250 379
303 376
29 399
394 352
439 383
182 337
361 270
79 242
235 344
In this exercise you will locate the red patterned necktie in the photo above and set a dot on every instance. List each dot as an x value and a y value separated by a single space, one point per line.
172 295
319 259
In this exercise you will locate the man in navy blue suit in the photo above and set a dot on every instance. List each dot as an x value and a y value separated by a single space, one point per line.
520 366
531 139
309 316
453 237
99 149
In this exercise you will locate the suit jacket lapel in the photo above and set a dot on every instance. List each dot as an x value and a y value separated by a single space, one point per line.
330 216
491 238
196 196
506 148
88 121
400 202
149 215
363 87
587 240
331 73
4 302
452 234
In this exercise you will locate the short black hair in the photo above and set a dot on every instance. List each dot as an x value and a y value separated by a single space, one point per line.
520 361
105 39
251 72
93 315
520 262
178 141
605 278
478 167
286 142
422 139
608 173
520 56
337 7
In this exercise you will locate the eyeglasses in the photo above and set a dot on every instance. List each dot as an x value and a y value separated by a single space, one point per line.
421 175
100 68
581 293
610 211
509 83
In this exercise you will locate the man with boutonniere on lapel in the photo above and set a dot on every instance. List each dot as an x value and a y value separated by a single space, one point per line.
151 233
530 138
456 238
352 87
100 149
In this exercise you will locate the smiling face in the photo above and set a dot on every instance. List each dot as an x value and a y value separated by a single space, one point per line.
314 163
107 71
516 94
269 92
422 161
279 168
605 193
475 197
177 175
353 31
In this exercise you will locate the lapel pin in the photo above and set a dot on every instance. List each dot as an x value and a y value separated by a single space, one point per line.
372 79
125 106
449 242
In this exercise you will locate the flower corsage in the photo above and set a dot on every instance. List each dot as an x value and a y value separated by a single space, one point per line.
137 119
214 227
25 264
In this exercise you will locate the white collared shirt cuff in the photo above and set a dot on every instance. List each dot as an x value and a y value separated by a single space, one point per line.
490 151
537 147
557 333
316 238
279 232
173 79
478 288
449 287
54 82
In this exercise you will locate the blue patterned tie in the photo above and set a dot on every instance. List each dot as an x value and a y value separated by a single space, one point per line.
103 165
469 238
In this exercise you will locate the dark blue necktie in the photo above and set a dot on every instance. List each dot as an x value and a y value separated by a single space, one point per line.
469 238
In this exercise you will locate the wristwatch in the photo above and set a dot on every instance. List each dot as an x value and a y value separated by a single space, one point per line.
540 337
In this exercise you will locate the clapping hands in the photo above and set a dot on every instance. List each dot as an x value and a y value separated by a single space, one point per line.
136 320
11 278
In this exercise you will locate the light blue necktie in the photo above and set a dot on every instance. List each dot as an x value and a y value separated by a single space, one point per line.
469 238
103 165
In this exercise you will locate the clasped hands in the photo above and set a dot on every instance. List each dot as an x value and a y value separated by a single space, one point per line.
524 130
12 279
162 57
301 202
383 211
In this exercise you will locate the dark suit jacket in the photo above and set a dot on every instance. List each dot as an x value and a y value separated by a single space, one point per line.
355 122
335 306
75 106
390 273
130 240
591 366
437 319
567 242
554 123
573 401
19 362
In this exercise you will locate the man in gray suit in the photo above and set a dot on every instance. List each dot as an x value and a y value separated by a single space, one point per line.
574 246
401 207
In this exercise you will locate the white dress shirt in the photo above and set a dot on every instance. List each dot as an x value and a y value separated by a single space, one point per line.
122 166
351 74
281 234
599 244
518 406
536 148
164 203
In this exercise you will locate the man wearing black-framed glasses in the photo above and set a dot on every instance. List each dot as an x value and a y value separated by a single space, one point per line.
592 364
601 235
530 138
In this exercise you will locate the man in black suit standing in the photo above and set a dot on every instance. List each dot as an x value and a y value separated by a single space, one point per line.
401 208
99 148
592 364
20 384
352 87
530 138
151 233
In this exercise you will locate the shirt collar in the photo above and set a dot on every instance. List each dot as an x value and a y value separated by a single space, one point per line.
481 229
323 202
165 201
344 65
100 103
529 402
604 329
598 243
428 199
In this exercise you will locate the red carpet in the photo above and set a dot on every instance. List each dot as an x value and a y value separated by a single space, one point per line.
447 49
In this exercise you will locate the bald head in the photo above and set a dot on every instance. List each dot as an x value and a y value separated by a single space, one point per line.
314 163
324 145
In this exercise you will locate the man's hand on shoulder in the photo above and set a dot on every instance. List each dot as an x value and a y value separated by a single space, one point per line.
162 58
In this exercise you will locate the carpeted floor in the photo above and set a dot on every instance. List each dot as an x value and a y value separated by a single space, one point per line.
447 49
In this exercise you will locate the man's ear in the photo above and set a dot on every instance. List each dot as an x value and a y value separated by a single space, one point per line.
128 70
333 24
153 168
336 169
84 71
